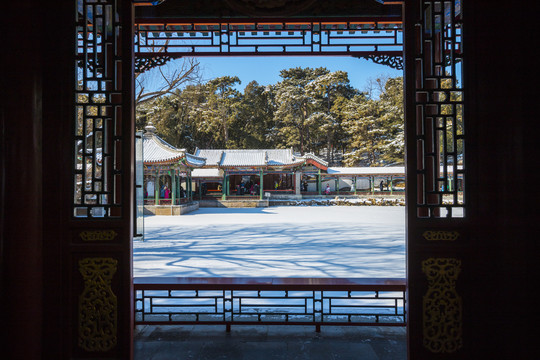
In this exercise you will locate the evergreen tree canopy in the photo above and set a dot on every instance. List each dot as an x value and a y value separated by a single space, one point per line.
309 110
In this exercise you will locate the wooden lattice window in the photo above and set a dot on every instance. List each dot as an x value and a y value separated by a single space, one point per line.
440 134
98 110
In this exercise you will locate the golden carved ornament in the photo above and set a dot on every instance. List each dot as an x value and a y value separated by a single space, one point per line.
98 306
442 306
98 235
440 235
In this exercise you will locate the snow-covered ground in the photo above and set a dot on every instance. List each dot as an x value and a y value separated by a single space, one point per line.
333 241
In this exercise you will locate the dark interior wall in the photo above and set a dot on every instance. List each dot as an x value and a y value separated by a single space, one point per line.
36 91
21 231
500 82
57 158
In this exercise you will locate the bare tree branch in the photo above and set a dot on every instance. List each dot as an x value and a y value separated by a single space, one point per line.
168 81
375 86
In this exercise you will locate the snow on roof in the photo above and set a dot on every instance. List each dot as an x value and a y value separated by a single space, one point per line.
316 159
213 157
390 170
243 158
206 173
249 157
281 157
156 150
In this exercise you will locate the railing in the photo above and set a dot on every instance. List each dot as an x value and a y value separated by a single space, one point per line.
270 301
179 201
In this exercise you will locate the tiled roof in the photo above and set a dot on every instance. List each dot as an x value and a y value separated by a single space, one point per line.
158 151
213 157
282 157
243 158
315 158
195 161
207 173
390 170
382 170
249 157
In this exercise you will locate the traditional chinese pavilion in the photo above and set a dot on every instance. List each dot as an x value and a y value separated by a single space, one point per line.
255 171
167 171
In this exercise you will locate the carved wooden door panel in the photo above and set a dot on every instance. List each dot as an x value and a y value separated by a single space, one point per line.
437 217
101 227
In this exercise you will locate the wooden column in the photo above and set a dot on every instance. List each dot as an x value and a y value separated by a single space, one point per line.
319 183
261 182
156 188
173 187
224 187
190 186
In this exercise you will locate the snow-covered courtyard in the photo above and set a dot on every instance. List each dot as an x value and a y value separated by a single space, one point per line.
296 241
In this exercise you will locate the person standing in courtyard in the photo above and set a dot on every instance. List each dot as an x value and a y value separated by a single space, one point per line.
167 192
381 185
327 190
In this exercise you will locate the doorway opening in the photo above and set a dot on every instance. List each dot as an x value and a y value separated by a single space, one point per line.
334 300
289 227
100 142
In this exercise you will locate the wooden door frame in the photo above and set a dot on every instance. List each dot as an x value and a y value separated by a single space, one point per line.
58 241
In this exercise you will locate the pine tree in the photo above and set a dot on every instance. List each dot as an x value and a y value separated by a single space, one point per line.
376 127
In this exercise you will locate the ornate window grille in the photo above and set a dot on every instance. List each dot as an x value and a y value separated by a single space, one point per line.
380 40
440 135
98 110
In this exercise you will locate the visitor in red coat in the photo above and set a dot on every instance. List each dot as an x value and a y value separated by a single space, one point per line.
327 190
167 192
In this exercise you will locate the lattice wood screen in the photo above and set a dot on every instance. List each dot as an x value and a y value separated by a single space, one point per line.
98 117
440 132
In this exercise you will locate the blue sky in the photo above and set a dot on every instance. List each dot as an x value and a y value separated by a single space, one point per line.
265 69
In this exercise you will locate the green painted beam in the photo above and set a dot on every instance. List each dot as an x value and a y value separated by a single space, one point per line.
319 184
261 175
